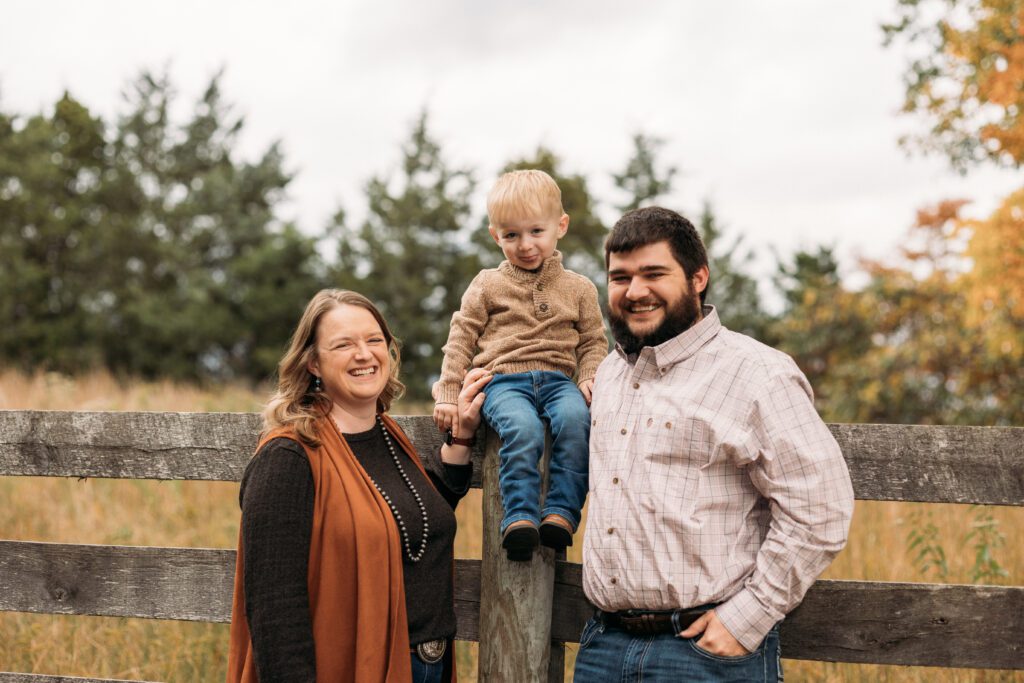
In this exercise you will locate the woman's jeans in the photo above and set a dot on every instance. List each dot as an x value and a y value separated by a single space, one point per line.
517 407
427 673
610 655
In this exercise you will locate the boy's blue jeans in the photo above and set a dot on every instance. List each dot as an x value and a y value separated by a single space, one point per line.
517 407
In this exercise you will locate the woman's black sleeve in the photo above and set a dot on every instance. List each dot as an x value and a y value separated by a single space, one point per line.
277 518
451 481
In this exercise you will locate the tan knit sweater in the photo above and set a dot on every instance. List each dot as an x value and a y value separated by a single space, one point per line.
515 320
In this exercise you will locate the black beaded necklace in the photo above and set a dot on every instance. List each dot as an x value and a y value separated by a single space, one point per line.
394 510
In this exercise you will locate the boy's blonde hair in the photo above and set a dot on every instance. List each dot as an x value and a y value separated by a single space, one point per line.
524 194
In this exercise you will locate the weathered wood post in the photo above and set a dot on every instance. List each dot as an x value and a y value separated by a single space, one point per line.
515 597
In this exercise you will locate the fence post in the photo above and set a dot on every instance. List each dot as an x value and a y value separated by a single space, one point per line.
515 597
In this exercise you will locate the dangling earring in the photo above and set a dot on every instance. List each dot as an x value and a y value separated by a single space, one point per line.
317 386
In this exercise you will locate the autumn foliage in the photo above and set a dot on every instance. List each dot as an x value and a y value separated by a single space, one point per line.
968 82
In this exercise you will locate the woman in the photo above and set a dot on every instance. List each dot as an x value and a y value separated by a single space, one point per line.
345 565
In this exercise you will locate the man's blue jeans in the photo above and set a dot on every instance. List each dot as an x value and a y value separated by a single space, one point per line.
610 655
517 407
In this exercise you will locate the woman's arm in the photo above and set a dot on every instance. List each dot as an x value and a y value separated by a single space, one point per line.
470 402
451 481
277 517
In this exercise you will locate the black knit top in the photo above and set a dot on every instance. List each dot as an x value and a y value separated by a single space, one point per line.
277 517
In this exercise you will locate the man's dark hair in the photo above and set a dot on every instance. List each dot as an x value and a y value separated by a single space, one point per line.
640 227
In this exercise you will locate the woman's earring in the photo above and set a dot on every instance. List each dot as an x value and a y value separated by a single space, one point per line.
317 386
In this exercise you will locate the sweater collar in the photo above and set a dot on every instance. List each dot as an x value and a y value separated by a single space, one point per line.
548 271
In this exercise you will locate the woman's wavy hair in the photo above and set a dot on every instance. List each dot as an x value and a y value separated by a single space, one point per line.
296 403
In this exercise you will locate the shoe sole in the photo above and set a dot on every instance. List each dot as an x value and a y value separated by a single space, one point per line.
520 542
555 536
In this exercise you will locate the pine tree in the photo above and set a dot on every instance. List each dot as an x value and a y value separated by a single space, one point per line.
412 255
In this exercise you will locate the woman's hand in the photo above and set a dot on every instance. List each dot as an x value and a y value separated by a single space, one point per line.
470 403
467 418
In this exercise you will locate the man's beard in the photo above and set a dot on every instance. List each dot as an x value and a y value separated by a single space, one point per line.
678 319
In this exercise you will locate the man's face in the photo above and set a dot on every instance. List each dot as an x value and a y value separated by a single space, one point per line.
650 298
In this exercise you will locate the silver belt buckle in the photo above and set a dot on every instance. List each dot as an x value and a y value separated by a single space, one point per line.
432 651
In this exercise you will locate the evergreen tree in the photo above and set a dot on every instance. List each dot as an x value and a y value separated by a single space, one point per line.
825 328
732 291
641 179
412 255
150 250
51 169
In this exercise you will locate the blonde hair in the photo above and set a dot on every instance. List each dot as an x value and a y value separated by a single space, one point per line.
296 403
523 194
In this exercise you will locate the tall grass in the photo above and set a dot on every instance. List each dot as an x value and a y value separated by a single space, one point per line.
205 514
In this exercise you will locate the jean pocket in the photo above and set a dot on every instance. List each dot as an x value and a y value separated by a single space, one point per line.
591 629
722 658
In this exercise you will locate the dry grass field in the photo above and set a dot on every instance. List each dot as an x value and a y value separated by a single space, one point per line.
205 514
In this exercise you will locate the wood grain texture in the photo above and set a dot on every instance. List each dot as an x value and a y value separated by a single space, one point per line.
909 624
190 584
139 445
187 584
516 597
935 464
844 621
887 462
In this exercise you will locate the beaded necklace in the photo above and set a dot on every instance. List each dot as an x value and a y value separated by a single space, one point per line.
394 510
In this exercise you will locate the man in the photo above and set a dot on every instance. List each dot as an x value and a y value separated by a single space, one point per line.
717 494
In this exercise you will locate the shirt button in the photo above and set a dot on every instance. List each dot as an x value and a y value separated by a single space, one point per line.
613 580
636 385
615 480
543 307
668 425
611 530
540 286
594 422
623 431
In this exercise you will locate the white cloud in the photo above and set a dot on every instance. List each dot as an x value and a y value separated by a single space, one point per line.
783 113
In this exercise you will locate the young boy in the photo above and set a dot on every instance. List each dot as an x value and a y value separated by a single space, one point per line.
535 326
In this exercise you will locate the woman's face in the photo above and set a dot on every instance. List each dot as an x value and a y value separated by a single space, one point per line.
352 358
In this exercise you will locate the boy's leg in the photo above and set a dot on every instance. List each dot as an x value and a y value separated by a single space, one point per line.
511 410
565 409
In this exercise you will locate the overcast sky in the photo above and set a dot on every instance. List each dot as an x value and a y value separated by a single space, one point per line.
784 114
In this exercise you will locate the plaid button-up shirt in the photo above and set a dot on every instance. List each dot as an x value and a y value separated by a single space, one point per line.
712 480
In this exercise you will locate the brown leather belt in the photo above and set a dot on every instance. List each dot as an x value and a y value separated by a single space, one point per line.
638 622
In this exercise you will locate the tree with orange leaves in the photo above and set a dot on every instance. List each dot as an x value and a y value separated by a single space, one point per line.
969 83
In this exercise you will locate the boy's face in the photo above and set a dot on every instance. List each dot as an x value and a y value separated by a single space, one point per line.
527 242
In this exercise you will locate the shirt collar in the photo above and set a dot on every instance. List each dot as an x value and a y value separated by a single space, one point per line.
682 346
549 270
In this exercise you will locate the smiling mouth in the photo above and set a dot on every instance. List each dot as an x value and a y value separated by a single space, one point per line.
644 308
362 372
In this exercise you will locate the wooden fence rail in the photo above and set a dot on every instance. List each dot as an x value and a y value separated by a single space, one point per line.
844 621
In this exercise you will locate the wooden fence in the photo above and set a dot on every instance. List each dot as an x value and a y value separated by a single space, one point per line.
496 601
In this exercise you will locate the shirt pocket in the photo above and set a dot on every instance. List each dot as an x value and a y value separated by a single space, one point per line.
674 449
675 440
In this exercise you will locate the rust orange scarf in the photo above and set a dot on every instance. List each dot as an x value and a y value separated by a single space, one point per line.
356 594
